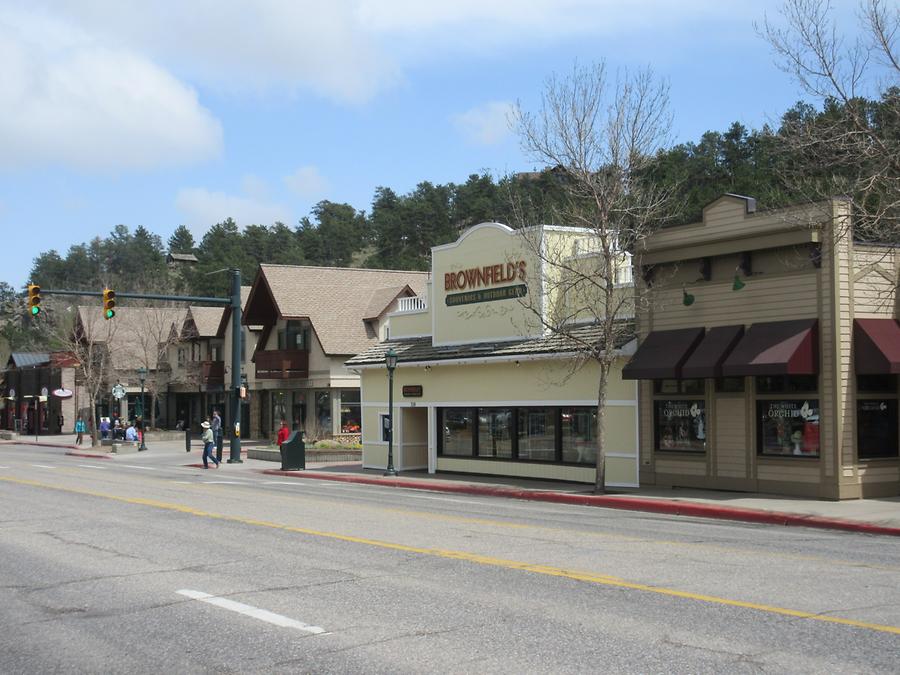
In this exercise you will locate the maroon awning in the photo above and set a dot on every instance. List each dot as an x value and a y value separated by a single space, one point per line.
776 348
662 354
707 359
876 346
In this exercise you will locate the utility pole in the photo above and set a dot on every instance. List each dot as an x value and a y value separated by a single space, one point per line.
236 367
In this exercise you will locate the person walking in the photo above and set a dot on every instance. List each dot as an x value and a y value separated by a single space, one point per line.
80 428
208 444
216 426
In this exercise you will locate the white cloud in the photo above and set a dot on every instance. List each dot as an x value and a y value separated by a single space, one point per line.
67 100
203 208
306 182
487 124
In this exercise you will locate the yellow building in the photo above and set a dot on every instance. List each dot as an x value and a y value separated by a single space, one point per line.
481 386
770 354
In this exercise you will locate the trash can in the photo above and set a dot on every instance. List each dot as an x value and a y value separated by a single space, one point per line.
293 453
187 439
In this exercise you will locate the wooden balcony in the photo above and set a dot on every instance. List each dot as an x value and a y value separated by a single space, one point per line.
282 364
212 373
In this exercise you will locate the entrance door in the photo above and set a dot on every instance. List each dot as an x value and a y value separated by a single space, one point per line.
412 441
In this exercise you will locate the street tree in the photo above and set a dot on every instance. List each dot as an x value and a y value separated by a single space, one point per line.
851 148
597 136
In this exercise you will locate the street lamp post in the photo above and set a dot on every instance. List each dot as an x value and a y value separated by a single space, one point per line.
142 375
390 360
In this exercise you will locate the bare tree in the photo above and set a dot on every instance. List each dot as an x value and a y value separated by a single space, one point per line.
599 136
852 148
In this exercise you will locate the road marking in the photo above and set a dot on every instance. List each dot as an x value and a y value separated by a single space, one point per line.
223 482
145 468
588 577
43 466
91 466
4 467
255 612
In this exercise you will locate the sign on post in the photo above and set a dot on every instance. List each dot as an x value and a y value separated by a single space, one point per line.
118 391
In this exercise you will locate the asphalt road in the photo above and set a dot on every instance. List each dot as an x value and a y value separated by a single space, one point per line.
143 565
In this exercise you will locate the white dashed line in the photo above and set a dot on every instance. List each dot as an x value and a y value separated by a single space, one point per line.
255 612
145 468
43 466
91 466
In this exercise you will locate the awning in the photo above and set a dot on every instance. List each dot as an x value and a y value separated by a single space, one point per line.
876 346
662 354
707 359
776 348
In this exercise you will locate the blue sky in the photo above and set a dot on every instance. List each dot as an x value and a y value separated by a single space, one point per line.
168 113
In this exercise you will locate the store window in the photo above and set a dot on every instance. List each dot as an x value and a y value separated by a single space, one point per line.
323 413
350 411
786 384
280 402
876 417
788 427
495 432
537 434
681 425
579 435
730 385
458 431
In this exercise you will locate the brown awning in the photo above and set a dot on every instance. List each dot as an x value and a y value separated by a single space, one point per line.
662 354
776 348
876 346
707 359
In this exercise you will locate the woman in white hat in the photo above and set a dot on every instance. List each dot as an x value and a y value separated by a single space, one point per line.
208 444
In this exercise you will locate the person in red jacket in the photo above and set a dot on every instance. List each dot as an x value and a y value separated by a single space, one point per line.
283 433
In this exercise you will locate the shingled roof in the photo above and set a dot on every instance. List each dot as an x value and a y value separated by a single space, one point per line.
130 334
419 350
202 322
336 300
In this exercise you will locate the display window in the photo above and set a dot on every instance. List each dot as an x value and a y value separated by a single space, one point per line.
680 425
877 417
350 411
539 434
495 432
691 386
788 427
786 384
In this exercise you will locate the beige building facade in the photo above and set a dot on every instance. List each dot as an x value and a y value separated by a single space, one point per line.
481 386
769 354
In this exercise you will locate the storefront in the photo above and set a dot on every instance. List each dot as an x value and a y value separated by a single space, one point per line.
480 387
771 362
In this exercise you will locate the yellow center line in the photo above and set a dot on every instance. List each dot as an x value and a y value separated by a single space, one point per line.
589 577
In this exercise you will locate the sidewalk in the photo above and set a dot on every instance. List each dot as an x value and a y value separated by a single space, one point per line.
872 516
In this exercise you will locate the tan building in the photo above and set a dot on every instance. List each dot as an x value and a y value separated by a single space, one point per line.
770 354
481 386
311 320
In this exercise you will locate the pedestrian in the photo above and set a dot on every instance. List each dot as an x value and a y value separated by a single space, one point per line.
79 430
216 426
117 429
283 433
208 444
104 427
131 434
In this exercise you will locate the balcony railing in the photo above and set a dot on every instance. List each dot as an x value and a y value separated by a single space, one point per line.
282 364
414 304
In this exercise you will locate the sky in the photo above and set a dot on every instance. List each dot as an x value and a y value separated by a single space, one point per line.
192 111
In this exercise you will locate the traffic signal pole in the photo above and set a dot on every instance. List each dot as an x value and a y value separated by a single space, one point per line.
233 302
236 367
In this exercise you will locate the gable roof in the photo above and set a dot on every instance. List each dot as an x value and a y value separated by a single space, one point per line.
226 312
205 322
29 359
130 335
336 300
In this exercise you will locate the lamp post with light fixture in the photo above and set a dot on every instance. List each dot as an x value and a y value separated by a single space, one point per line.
390 360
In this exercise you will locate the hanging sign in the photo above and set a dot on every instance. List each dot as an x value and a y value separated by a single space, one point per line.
118 391
62 393
412 390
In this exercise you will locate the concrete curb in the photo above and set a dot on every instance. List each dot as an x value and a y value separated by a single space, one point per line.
40 445
89 455
667 506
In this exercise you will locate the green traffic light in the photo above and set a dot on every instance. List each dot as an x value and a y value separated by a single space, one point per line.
110 314
35 311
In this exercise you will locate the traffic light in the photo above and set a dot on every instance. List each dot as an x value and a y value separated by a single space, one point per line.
34 299
109 303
